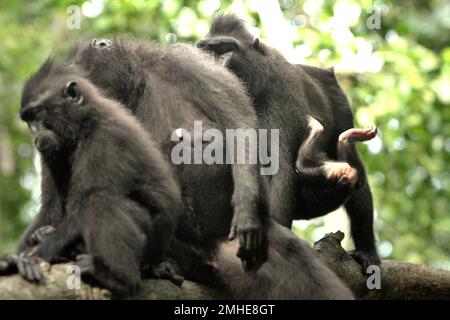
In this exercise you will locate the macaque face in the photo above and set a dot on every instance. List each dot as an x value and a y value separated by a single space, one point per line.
52 114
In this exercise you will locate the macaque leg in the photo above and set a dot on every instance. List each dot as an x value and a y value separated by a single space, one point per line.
349 169
313 165
328 184
359 206
347 152
310 158
320 190
357 134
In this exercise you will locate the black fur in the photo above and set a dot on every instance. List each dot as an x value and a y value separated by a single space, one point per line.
281 277
198 90
182 85
105 183
284 95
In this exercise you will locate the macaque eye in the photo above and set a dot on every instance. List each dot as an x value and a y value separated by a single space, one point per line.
258 46
72 92
219 45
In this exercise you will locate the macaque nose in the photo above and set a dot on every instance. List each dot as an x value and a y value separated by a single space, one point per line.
29 114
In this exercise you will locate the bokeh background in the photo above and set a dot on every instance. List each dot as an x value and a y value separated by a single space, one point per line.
392 59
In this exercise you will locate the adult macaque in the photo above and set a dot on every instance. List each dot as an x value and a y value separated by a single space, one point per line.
287 97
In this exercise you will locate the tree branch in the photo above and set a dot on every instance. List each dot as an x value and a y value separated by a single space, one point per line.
398 281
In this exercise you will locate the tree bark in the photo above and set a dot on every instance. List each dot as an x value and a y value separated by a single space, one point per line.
398 281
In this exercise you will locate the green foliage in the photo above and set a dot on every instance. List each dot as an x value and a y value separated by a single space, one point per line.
397 77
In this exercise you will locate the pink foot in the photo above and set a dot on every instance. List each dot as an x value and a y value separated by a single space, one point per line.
356 134
342 172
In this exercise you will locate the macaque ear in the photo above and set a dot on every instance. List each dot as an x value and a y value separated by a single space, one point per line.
219 45
73 92
258 46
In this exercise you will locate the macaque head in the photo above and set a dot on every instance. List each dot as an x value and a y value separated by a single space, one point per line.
229 41
54 105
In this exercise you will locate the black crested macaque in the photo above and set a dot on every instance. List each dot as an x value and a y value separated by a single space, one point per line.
200 251
292 271
284 95
168 87
105 183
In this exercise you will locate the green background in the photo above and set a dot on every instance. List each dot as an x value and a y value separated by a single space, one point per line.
396 76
